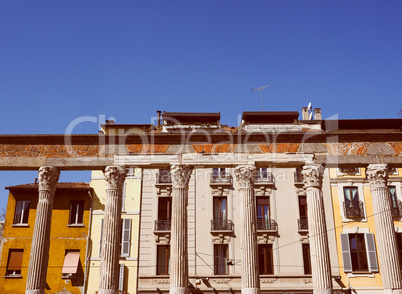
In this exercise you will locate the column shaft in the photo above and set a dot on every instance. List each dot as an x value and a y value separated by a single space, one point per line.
317 228
250 276
111 237
38 260
178 235
384 227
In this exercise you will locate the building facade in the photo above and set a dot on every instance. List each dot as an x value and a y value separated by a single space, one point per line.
67 247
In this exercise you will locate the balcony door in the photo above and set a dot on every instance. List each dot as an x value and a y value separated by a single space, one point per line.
220 211
263 213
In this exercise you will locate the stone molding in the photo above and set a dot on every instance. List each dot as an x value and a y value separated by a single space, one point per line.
48 177
377 174
244 175
181 175
114 176
312 175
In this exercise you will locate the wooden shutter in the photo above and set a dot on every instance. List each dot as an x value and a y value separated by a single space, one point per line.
121 278
126 237
100 242
15 259
347 260
371 252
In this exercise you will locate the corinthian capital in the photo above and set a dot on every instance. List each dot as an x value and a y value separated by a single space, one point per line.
114 176
180 175
245 175
377 174
312 175
48 177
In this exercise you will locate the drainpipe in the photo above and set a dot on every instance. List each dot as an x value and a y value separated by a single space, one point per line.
87 261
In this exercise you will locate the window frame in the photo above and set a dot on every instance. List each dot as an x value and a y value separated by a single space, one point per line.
14 273
219 248
160 269
24 212
77 206
267 268
306 258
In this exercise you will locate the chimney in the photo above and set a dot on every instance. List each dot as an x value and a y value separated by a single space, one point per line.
159 119
317 114
305 113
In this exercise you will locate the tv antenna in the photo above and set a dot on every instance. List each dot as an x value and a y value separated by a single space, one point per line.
260 90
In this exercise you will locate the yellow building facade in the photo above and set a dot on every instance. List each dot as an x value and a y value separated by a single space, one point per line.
129 231
68 238
356 242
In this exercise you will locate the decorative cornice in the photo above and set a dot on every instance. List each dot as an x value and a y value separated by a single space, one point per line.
114 176
48 177
377 174
180 175
245 175
312 175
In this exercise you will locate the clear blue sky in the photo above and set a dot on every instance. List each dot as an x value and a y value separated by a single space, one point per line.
61 60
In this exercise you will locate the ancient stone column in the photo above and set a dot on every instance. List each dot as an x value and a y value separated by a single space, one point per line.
250 276
111 237
388 255
38 260
317 230
178 245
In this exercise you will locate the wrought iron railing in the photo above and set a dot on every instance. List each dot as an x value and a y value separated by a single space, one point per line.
264 177
162 225
221 178
163 177
264 224
221 225
353 209
396 208
303 224
298 178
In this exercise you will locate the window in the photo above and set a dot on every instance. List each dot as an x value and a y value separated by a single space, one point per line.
125 242
14 263
219 175
76 212
220 213
303 222
164 176
399 246
164 214
353 207
306 259
221 259
359 252
265 259
163 260
21 212
263 213
70 265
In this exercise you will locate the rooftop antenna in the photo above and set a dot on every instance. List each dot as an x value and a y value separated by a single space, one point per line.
310 111
260 90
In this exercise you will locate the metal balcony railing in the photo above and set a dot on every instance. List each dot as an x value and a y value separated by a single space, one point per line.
298 178
221 225
221 178
264 178
163 177
396 208
303 224
266 225
162 225
353 209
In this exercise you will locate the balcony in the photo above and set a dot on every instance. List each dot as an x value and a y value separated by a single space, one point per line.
302 225
264 178
353 209
298 178
222 178
266 224
221 225
162 226
163 177
396 209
